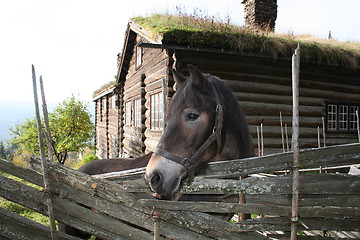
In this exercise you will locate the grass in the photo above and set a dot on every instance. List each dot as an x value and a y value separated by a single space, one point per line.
104 87
201 31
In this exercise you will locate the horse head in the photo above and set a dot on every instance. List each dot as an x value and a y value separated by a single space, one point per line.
201 125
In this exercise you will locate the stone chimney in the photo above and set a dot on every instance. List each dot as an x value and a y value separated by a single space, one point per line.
260 14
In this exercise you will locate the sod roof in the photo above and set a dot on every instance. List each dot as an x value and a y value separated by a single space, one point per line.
206 32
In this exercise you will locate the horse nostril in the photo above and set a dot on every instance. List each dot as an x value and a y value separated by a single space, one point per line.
156 179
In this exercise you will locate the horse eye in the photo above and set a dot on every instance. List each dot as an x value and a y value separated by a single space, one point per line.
192 116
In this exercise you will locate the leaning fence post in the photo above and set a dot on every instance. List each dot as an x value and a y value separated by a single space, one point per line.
295 142
323 128
282 133
43 162
46 121
358 124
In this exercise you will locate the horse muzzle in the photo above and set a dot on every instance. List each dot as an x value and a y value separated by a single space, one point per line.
163 175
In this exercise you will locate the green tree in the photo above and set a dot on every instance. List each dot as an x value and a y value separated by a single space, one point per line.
70 126
5 151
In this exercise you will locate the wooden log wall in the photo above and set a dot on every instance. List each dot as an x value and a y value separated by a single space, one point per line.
263 88
107 125
141 83
113 126
101 121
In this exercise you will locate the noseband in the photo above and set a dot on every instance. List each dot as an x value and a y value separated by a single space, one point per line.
189 163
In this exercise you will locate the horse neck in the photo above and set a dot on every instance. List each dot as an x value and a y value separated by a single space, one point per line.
236 139
230 148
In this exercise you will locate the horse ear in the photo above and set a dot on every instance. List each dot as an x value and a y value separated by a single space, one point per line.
178 77
197 77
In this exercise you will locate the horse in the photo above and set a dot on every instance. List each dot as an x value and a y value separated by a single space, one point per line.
203 123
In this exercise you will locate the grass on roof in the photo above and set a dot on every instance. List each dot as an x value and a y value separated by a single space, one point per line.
209 32
104 88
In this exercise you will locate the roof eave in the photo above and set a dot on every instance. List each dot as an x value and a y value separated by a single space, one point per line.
138 30
104 93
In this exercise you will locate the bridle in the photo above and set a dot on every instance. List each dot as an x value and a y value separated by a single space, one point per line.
189 163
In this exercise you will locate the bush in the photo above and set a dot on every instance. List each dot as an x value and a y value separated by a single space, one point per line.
89 158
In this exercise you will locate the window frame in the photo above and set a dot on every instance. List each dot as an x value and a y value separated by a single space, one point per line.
113 101
341 116
139 56
128 113
137 113
157 111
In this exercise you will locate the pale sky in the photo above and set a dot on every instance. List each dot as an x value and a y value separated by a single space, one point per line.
74 43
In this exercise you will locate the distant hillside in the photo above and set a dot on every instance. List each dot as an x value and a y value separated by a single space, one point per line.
14 113
11 114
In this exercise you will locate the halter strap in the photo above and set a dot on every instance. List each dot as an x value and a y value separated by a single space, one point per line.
170 156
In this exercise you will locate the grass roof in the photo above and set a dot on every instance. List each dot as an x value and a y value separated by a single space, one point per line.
104 88
207 32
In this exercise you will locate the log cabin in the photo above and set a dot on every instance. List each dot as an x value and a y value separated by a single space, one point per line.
129 113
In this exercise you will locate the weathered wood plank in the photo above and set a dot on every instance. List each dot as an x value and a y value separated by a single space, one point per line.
22 194
351 200
310 184
302 237
14 226
329 156
283 224
261 209
23 173
310 158
34 199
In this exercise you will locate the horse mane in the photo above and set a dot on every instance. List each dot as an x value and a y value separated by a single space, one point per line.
234 117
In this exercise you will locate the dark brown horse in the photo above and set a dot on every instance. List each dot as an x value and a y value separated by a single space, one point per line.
114 165
204 123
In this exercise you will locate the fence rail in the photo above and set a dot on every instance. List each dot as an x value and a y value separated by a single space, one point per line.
122 208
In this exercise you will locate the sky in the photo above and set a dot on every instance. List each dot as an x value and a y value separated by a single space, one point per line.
74 43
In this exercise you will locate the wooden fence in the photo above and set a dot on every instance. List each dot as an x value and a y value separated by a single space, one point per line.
122 208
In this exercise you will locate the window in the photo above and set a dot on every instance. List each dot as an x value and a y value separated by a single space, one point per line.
138 56
157 111
113 101
353 118
100 109
342 116
128 113
331 117
137 113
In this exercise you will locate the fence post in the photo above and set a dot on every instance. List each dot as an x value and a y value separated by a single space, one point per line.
295 142
358 124
282 133
46 121
43 162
